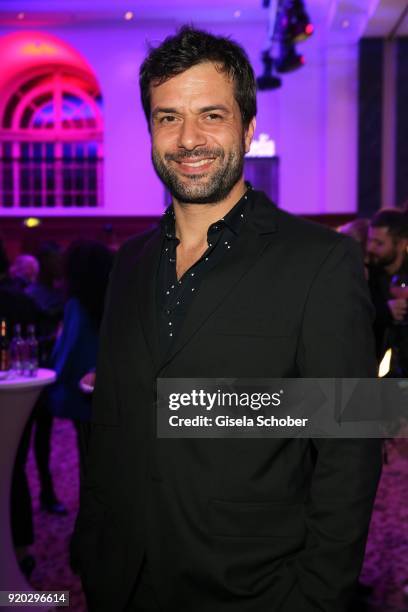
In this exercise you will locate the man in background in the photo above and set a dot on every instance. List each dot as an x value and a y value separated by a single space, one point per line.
388 264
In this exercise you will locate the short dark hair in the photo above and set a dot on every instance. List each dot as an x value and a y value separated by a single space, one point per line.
394 219
189 47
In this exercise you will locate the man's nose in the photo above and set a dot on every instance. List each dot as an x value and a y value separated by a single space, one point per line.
190 135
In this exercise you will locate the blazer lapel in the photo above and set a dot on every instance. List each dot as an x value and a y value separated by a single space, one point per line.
249 246
146 279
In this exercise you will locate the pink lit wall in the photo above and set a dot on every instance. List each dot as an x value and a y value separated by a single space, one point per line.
312 119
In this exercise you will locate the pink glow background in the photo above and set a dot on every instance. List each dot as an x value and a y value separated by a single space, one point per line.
313 118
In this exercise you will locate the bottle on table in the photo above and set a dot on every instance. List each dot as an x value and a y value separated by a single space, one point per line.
4 350
31 352
17 351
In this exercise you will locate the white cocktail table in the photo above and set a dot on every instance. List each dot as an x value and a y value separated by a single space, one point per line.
17 398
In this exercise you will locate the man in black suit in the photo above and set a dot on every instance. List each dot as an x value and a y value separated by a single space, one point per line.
228 286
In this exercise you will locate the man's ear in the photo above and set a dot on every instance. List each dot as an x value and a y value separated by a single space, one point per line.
249 134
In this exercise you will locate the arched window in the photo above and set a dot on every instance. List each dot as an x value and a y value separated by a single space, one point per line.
51 142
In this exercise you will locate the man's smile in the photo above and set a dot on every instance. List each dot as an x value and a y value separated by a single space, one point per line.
190 166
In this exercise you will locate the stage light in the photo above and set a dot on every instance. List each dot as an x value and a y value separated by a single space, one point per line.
31 222
21 16
296 22
385 364
128 15
289 23
268 80
288 60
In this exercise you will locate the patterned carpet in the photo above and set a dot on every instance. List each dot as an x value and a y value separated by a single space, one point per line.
385 567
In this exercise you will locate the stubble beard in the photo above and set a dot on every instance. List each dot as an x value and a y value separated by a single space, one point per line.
190 190
385 260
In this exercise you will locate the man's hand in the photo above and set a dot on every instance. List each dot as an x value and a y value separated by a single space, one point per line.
87 382
398 308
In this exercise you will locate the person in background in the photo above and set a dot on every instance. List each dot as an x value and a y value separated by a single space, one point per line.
24 270
47 293
387 255
87 268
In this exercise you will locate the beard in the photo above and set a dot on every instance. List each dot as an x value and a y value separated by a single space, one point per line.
384 260
193 189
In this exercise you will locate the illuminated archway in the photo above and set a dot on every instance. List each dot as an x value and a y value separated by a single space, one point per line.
51 125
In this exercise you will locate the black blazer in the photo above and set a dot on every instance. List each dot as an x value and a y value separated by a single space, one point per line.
242 525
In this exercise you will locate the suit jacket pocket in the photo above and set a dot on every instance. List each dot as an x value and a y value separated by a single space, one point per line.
256 519
253 546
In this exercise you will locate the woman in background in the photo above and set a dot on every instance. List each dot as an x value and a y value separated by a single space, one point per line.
87 268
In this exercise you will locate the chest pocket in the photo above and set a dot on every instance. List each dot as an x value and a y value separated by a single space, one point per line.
243 324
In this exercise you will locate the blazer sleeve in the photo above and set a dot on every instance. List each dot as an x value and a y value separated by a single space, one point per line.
99 443
337 341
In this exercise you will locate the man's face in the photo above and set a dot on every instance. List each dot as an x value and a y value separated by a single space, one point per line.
382 248
198 140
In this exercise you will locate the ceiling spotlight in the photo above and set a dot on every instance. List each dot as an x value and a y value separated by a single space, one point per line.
268 80
293 22
345 23
237 14
20 16
288 60
128 15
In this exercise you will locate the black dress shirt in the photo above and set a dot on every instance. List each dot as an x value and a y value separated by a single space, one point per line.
174 296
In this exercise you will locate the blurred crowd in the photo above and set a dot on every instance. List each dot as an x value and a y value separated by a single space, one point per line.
61 294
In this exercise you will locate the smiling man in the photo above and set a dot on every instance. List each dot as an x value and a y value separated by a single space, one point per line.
198 151
227 286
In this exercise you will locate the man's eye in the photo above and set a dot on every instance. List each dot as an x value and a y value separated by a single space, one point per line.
167 119
213 116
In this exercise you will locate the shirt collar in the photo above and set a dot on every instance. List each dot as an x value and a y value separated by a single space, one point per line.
233 219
